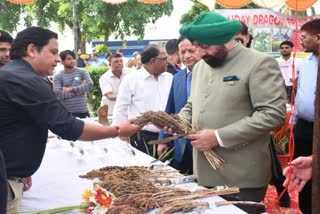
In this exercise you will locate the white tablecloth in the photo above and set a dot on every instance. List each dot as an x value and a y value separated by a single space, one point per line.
57 184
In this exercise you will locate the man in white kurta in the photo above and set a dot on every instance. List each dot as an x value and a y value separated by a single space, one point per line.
287 64
110 81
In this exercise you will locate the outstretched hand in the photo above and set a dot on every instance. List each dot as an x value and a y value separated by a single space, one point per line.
127 128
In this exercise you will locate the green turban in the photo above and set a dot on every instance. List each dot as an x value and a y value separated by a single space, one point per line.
211 29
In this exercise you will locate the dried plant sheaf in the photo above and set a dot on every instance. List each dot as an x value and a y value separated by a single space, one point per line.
136 192
162 119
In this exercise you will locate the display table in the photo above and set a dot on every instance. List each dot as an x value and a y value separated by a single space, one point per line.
57 181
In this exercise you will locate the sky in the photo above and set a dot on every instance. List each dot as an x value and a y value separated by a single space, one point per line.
167 27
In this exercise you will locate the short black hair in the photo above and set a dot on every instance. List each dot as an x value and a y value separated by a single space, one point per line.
63 54
244 29
5 37
33 35
250 41
149 52
287 43
108 54
312 26
172 46
115 55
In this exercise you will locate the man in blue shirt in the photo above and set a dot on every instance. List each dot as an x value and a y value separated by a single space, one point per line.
304 109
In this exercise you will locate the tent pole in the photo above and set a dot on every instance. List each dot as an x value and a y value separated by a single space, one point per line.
316 150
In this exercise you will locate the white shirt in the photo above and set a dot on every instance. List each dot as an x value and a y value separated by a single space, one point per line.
110 83
140 92
286 69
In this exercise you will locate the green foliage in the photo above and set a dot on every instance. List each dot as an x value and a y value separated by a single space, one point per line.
101 48
95 19
9 23
196 9
94 99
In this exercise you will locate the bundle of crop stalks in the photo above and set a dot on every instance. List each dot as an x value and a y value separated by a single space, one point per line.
162 119
134 173
136 192
170 200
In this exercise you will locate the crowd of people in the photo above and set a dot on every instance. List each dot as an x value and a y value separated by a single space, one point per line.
233 95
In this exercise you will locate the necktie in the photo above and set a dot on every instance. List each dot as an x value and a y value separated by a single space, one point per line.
189 78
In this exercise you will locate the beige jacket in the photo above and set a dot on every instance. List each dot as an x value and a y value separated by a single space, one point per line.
243 100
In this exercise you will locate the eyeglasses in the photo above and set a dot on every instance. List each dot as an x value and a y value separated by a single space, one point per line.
163 58
4 50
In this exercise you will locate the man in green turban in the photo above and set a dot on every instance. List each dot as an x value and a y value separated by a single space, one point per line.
237 97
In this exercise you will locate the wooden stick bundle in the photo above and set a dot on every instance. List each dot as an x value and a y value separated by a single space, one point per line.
162 119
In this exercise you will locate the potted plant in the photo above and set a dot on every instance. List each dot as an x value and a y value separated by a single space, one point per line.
282 142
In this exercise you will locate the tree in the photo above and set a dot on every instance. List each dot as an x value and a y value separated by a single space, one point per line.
96 19
9 23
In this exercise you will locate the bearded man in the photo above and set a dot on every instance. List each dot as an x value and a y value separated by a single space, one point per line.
237 97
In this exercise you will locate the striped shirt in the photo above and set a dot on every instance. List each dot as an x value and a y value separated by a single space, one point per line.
75 101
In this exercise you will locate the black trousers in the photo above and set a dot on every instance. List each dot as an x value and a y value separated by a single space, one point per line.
303 137
140 141
289 92
3 185
186 164
277 174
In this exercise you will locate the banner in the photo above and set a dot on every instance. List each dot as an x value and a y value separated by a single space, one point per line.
267 27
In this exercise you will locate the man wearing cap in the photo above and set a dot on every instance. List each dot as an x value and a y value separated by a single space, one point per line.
237 97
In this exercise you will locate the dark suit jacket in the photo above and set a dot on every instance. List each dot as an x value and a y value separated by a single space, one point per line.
176 100
173 69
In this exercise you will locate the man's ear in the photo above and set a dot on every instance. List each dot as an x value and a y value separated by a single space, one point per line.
32 50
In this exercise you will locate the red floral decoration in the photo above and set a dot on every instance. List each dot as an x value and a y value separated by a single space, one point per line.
103 199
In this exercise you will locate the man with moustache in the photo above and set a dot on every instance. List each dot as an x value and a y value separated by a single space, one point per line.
237 97
5 46
304 102
179 93
110 81
146 90
286 62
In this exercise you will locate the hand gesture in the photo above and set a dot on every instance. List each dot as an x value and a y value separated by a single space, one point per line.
298 173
